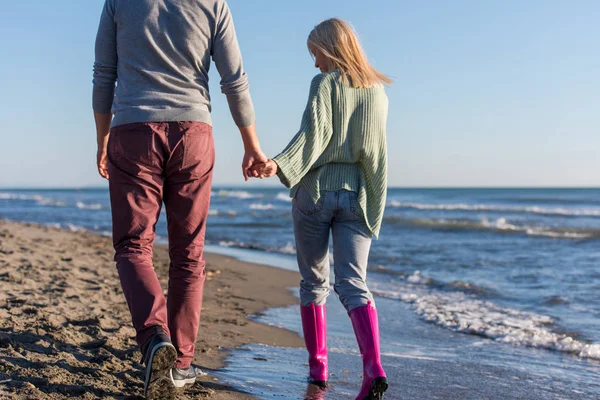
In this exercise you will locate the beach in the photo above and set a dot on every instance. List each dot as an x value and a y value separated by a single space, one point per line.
65 330
482 294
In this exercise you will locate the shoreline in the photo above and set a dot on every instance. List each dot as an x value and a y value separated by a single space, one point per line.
65 328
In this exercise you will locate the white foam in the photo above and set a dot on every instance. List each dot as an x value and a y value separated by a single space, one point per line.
237 194
288 249
75 228
462 313
590 212
502 225
229 213
417 278
15 196
262 207
84 206
231 243
284 197
39 199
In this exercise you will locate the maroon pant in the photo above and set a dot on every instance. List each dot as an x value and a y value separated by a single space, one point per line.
150 163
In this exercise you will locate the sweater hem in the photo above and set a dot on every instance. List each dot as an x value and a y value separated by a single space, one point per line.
131 116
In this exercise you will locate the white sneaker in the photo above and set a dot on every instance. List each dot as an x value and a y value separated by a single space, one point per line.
182 377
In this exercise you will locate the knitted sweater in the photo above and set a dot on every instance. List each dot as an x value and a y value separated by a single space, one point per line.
341 145
159 53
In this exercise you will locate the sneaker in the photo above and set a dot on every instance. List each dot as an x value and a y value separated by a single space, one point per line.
159 356
182 377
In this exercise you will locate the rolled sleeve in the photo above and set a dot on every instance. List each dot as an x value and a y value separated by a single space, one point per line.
312 139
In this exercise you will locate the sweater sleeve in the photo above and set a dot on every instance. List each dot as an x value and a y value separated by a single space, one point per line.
316 129
105 65
228 60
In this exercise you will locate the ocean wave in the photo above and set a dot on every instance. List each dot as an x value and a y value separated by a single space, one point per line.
416 278
15 196
218 213
284 197
500 225
262 207
76 228
93 206
553 200
287 249
38 199
237 194
588 212
461 312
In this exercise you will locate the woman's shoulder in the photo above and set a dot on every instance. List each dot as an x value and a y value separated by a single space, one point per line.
325 79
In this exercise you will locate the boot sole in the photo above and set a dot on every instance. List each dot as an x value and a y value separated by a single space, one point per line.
321 384
378 388
158 383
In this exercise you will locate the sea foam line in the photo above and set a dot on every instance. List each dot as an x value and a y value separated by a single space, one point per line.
465 313
590 212
501 225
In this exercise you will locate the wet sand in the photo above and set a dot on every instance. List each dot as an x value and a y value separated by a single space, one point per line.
65 329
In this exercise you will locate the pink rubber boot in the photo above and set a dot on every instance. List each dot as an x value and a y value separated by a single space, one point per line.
366 329
314 325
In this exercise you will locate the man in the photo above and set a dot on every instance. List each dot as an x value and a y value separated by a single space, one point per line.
155 144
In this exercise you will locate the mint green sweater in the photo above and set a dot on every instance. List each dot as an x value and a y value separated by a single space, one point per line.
341 145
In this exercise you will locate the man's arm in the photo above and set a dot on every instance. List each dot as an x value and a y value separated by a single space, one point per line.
105 77
234 84
227 56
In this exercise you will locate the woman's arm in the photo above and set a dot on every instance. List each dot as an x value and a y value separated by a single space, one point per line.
313 137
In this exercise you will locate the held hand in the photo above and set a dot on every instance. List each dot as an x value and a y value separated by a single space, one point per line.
251 159
266 170
102 162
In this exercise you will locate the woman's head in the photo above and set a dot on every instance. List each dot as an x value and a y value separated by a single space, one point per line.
335 45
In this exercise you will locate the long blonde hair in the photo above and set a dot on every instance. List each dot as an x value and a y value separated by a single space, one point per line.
338 42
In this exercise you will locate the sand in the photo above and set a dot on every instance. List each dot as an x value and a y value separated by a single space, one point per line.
65 330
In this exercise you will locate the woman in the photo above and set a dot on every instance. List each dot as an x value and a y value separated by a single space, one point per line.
337 168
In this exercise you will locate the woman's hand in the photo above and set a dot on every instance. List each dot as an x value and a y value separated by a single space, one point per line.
266 170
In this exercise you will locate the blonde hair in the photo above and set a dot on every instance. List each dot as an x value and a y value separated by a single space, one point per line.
338 42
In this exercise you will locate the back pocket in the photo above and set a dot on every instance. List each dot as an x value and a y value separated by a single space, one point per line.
304 203
355 207
198 150
129 148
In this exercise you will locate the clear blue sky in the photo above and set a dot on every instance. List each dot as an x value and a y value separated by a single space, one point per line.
486 93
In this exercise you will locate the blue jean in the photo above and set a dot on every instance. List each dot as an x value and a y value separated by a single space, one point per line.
340 213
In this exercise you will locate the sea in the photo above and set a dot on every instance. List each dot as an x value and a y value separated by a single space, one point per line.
482 293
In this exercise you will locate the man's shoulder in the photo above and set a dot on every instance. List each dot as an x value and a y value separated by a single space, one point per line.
216 5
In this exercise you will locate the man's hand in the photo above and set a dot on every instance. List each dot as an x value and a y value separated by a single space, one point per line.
266 170
102 161
253 154
251 158
102 134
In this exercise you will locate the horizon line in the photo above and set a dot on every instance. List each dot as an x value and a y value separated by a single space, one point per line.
269 186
